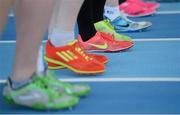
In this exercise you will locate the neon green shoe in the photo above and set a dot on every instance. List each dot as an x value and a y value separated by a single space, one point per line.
106 27
61 87
34 95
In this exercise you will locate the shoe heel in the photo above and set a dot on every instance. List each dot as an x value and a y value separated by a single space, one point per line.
53 66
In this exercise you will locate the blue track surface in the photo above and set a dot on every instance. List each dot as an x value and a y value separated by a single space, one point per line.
170 6
164 26
147 59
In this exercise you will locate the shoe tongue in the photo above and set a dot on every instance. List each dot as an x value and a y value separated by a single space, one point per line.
74 43
71 43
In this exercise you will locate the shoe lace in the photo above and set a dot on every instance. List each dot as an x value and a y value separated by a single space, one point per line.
65 86
51 93
78 48
109 37
83 53
108 22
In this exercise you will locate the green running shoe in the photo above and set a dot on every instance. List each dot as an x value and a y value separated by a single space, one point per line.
36 96
61 87
106 27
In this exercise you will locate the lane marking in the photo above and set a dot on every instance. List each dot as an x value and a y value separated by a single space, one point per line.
124 79
11 15
135 40
168 12
154 39
158 12
14 41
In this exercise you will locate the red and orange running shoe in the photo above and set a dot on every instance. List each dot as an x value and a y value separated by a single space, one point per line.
105 42
100 58
73 57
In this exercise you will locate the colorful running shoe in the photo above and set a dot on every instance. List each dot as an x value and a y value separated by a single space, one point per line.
73 57
60 87
135 10
100 58
150 5
123 24
36 96
105 42
106 27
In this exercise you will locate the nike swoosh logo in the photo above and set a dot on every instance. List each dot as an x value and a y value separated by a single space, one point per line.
127 25
103 46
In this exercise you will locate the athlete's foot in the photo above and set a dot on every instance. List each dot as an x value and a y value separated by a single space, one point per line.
73 57
36 95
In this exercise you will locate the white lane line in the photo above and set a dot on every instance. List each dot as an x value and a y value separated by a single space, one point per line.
8 42
124 79
136 40
11 15
14 41
156 39
158 12
168 12
2 81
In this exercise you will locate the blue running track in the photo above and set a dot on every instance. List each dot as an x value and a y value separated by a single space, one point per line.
144 79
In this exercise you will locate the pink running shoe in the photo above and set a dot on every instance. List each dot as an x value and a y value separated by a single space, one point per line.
135 10
104 42
149 5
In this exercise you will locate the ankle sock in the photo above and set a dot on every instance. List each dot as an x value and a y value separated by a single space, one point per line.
111 12
59 38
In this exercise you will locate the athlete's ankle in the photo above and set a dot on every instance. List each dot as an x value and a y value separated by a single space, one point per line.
60 37
20 83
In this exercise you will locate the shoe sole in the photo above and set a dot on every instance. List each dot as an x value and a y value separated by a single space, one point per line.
137 30
116 50
71 68
56 67
121 49
61 67
141 15
10 101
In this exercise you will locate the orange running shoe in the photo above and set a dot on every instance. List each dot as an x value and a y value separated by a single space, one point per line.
73 57
100 58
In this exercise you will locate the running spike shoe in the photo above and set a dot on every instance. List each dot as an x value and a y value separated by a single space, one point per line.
36 96
104 42
135 10
100 58
60 87
123 24
73 57
106 27
149 5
